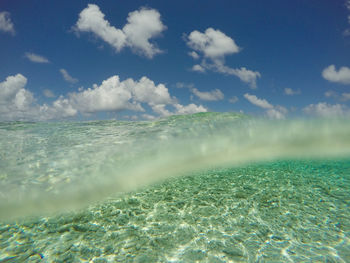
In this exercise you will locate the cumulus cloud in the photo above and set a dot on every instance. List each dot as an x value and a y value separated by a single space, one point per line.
60 108
213 95
6 24
11 87
291 92
161 109
214 45
116 95
18 103
189 109
341 76
113 95
36 58
273 112
146 91
68 77
142 25
325 110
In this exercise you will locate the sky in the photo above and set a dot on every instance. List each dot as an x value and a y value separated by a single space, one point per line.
143 60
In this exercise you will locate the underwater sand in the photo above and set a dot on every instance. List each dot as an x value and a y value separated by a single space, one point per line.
287 211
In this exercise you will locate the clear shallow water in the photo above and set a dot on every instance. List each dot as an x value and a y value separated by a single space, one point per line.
293 209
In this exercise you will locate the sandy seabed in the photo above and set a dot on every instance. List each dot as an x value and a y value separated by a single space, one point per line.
286 211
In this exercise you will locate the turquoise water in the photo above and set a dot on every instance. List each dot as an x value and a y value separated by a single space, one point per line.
198 188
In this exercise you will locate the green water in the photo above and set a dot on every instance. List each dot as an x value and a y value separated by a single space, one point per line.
198 188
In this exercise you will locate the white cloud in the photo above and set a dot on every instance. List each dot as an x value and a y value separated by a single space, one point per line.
142 25
243 74
11 86
214 45
347 4
48 93
161 110
323 109
6 24
113 95
213 95
91 19
198 68
233 100
146 91
273 112
291 92
68 77
13 97
262 103
193 54
189 109
116 95
36 58
61 108
246 75
18 103
341 76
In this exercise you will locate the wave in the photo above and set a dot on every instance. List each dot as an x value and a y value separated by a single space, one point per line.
55 167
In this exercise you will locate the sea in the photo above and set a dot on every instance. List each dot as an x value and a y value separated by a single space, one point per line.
207 187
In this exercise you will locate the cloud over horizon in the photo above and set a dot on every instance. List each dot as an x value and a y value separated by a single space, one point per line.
142 25
326 110
18 103
113 95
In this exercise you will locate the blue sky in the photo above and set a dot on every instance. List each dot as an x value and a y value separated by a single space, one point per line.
149 59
